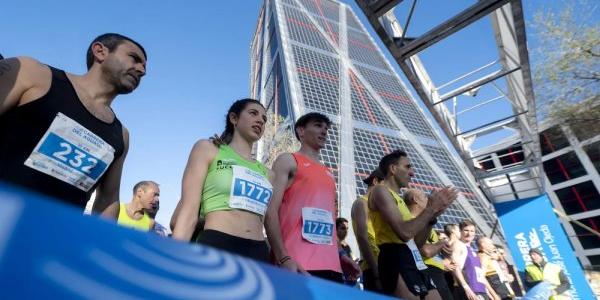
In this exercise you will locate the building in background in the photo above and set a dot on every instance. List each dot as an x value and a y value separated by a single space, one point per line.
315 55
571 160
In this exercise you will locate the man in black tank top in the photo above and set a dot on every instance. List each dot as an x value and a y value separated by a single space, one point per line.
58 133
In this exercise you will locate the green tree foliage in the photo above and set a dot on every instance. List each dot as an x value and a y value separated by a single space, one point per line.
278 138
567 64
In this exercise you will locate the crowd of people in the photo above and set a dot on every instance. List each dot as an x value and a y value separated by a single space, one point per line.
60 137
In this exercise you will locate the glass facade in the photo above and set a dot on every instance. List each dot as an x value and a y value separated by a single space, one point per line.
329 63
563 168
579 155
593 152
579 198
553 139
587 239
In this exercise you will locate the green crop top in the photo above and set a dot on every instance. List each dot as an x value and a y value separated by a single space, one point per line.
233 182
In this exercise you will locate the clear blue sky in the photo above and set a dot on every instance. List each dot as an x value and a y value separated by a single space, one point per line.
198 63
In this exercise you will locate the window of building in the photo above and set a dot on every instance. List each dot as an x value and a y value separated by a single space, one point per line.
593 151
553 139
487 163
595 261
579 198
563 168
511 156
587 239
282 105
585 125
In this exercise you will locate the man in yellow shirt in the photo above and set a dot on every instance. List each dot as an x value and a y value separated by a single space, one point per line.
146 195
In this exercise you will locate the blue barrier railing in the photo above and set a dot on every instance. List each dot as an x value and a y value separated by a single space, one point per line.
51 251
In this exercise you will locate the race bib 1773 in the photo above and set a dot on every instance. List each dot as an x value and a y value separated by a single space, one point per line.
317 225
71 153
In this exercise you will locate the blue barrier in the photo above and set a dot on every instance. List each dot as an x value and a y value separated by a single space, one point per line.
531 223
48 250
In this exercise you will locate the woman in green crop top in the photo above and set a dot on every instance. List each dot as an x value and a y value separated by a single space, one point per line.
223 184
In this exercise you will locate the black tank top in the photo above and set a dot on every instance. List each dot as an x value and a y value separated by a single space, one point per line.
55 146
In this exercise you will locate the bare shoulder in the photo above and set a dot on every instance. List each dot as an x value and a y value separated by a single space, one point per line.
378 192
358 206
32 70
125 134
205 148
34 77
285 161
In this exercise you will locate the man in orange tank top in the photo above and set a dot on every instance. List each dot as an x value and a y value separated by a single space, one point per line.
300 218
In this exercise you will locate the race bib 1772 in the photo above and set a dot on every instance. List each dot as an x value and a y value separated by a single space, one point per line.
250 190
71 153
317 225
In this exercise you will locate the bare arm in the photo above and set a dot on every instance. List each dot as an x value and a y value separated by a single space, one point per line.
423 235
174 216
359 215
431 250
283 167
22 79
192 184
485 260
107 192
459 255
384 202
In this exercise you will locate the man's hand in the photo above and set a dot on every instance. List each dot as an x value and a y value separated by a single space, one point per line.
294 267
469 293
449 265
350 268
447 249
441 199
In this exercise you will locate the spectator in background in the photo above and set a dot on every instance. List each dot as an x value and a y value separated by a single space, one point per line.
157 227
365 235
469 274
134 214
433 248
488 255
541 270
508 273
350 269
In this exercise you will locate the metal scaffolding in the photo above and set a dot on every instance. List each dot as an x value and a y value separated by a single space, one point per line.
516 181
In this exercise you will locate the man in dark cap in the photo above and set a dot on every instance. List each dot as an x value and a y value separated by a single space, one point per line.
541 270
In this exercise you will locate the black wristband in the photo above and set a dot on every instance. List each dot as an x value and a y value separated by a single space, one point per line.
433 221
283 260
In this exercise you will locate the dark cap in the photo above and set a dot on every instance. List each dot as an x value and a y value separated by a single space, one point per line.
537 251
375 174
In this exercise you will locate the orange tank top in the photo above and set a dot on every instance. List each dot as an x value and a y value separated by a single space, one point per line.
307 217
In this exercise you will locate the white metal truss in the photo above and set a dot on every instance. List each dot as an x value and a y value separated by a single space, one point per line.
520 180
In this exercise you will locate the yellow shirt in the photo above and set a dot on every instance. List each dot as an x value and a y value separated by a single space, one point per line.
142 224
370 235
437 260
383 231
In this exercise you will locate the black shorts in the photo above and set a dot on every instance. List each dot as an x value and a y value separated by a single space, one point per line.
369 281
328 275
498 286
438 277
254 249
397 259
